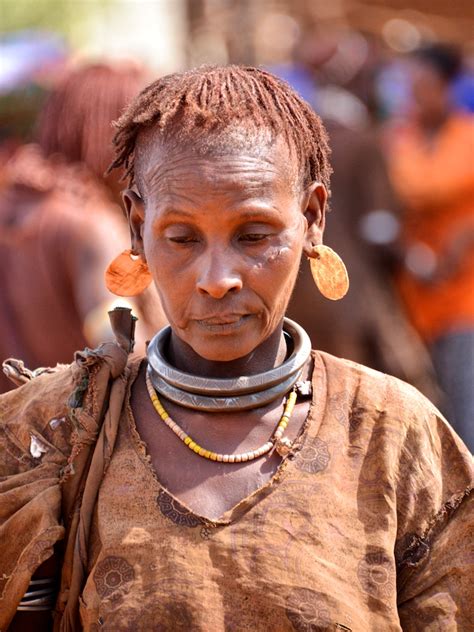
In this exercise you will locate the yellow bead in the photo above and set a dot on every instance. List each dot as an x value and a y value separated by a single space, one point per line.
277 439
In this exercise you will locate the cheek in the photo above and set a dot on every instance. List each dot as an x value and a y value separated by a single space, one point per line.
172 285
279 266
284 256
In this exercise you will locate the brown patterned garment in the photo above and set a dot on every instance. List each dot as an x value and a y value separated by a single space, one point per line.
367 524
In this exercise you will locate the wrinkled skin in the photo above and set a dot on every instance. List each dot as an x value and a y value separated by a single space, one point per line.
223 237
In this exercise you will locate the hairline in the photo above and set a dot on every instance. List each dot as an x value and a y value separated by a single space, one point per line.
212 145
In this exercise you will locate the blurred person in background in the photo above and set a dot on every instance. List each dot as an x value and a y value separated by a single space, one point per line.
372 328
432 171
60 223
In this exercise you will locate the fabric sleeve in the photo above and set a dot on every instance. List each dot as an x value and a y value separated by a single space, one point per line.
435 548
439 595
48 435
34 449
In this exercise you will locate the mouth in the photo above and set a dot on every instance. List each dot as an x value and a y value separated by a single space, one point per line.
223 323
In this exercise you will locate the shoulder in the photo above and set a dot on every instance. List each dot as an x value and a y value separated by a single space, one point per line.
55 409
371 389
396 439
39 392
390 412
405 454
30 416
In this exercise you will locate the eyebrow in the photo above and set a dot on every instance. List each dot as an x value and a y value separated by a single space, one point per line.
247 214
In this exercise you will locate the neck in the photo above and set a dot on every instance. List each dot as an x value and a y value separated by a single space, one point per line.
266 356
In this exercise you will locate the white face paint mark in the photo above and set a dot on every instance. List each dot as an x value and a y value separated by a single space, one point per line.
37 448
277 252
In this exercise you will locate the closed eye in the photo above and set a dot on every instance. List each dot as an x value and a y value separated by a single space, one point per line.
253 237
183 240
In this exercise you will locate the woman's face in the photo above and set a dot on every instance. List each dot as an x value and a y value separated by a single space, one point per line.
223 236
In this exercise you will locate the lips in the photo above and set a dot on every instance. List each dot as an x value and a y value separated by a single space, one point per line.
221 319
223 323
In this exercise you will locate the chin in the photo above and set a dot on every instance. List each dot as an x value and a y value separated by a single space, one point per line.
222 350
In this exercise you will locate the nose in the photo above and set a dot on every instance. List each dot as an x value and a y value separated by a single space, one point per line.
217 275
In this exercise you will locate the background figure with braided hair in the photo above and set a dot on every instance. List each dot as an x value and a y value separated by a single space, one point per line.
232 478
60 222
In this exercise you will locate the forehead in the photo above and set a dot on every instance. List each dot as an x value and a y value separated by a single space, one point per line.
233 162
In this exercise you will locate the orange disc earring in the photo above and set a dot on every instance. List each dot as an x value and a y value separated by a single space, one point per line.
329 272
127 275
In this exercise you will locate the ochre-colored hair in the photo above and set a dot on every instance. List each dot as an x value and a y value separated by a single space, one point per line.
76 122
215 100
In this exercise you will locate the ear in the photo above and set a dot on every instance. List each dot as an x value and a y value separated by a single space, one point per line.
314 210
135 213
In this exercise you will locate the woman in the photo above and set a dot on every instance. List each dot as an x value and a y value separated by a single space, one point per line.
60 222
436 282
233 479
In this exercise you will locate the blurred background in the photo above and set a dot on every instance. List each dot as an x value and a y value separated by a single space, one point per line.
393 81
337 40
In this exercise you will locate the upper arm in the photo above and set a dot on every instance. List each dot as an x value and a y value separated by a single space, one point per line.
438 593
30 491
434 550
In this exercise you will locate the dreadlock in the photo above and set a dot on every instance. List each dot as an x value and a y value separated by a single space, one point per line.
215 100
76 121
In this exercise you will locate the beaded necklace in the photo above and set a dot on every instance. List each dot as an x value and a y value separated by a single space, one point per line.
277 441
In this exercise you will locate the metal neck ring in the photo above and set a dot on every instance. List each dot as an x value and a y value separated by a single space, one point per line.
226 404
233 387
